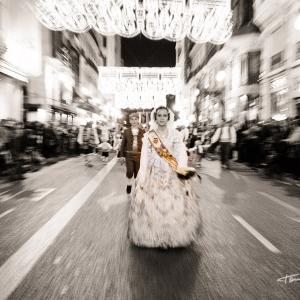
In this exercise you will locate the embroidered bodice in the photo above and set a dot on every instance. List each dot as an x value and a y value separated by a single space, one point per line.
149 158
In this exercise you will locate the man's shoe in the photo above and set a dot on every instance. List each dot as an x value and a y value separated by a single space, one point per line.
128 189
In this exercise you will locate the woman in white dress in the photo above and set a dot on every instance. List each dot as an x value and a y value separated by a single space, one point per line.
164 211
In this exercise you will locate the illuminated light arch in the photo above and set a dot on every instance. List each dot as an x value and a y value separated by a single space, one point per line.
200 20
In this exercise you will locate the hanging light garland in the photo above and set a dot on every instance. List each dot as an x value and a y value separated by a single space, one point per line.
200 20
139 87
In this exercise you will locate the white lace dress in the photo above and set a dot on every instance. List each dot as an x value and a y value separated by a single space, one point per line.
164 211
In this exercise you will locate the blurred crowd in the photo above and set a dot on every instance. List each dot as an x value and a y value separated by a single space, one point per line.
273 147
28 146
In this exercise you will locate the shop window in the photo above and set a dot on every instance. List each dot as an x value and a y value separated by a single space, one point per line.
279 96
279 103
253 67
278 42
298 50
277 60
250 68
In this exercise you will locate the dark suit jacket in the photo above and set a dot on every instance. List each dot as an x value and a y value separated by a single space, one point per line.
127 141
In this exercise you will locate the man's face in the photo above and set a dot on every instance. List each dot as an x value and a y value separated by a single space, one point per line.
134 121
162 117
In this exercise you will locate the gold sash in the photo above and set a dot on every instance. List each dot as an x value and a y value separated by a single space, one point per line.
164 153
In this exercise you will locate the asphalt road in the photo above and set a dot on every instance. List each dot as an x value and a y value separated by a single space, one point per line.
63 236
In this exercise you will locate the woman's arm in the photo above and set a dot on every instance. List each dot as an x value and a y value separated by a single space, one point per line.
180 150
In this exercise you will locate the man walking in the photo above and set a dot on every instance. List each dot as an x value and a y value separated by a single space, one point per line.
130 149
88 141
226 136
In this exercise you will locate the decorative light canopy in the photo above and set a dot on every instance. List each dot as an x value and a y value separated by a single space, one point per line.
139 87
200 20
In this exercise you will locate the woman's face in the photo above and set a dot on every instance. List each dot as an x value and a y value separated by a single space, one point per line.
162 117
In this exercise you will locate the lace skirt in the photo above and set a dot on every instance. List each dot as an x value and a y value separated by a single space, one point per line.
164 211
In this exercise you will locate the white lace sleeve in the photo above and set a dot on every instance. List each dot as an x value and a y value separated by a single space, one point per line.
144 160
180 150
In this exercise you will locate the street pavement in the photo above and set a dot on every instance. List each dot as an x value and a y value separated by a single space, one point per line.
63 235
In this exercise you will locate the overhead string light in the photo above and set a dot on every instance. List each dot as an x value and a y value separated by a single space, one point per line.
142 87
200 20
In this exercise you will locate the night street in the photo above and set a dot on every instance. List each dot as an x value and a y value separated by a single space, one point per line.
150 150
64 236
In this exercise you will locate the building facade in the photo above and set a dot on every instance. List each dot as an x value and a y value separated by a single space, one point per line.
280 62
20 56
253 76
226 77
50 75
185 102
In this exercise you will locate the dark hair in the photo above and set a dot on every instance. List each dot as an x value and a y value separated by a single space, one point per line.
134 114
162 107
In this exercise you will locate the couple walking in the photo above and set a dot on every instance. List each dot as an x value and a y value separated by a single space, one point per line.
164 211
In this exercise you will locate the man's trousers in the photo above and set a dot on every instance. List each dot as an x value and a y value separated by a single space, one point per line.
132 164
225 153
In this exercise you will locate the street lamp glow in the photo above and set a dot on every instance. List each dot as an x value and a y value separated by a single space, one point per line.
220 76
244 98
191 118
297 22
177 107
85 91
279 117
118 113
197 92
42 115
